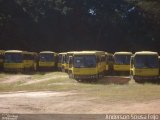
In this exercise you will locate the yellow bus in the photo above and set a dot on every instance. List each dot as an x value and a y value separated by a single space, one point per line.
1 58
13 60
145 66
30 60
109 62
47 60
122 63
64 61
85 65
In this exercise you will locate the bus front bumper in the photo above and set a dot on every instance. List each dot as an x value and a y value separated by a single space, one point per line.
95 76
13 69
146 77
47 68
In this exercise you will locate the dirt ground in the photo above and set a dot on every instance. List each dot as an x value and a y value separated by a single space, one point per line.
68 102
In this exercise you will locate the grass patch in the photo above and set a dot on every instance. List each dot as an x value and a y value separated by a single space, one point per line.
41 75
108 92
2 75
132 91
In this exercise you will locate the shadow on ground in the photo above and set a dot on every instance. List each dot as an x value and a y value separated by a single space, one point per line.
110 80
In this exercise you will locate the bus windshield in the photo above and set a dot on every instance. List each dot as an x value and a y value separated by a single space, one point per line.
122 59
46 57
85 61
13 58
146 61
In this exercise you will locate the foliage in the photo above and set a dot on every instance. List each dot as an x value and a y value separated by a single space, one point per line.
61 25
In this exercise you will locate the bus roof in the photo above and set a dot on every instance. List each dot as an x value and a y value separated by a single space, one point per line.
13 51
123 53
62 53
2 50
107 53
146 53
31 53
71 52
46 52
89 52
